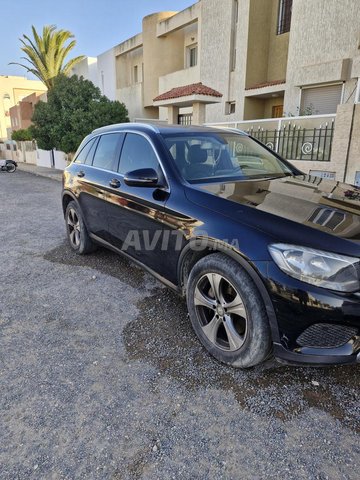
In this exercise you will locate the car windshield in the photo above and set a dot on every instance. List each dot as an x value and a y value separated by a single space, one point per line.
203 157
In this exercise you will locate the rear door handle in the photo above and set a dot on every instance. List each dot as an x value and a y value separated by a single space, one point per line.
81 174
114 183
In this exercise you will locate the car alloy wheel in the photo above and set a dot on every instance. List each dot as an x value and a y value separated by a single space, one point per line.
74 228
221 312
227 312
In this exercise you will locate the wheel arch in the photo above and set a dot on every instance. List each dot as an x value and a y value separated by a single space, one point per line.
67 197
189 257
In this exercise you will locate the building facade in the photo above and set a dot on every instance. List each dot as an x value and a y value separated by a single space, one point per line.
21 114
13 90
268 58
287 71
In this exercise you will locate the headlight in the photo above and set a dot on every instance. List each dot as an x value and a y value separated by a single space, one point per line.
324 269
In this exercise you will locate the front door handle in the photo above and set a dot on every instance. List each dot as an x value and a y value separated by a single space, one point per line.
114 183
81 174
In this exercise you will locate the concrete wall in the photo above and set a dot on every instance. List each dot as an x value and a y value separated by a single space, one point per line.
106 73
179 79
215 44
162 55
87 68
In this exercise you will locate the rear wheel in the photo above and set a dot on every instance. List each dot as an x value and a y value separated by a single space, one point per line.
227 312
76 230
10 167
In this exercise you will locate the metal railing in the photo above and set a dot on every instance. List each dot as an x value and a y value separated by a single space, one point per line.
185 119
295 138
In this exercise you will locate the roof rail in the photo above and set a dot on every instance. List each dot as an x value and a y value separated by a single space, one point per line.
149 126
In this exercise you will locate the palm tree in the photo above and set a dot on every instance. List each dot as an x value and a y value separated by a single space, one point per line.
46 54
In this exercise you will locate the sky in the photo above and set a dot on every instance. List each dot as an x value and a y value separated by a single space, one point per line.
97 24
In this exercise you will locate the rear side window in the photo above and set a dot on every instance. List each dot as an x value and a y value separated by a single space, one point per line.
107 151
84 153
137 153
90 155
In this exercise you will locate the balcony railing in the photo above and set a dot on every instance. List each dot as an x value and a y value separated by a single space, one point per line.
295 138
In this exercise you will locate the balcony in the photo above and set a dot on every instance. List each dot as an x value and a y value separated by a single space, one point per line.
180 78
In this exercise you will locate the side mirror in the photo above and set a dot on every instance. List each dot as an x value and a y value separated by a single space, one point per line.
143 177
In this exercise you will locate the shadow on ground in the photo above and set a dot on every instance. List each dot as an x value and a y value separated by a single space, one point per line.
102 260
162 336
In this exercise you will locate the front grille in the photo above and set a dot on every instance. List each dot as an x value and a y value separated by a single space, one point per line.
325 335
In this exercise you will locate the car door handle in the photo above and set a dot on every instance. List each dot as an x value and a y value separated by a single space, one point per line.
81 174
114 183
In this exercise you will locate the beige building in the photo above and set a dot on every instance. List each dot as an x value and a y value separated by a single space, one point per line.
12 91
267 58
21 114
263 60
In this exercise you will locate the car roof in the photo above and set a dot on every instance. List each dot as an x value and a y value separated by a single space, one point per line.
165 129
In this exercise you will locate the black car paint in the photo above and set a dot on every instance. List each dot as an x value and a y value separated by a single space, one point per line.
254 212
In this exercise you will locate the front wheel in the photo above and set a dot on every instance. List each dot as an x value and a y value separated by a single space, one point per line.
227 312
10 167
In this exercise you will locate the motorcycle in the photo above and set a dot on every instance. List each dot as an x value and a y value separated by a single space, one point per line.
8 166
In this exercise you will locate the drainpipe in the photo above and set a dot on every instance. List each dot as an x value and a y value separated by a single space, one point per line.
52 158
349 143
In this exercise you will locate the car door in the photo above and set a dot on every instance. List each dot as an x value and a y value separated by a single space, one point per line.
94 177
136 213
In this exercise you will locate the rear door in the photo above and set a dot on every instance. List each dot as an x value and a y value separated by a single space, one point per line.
136 213
94 177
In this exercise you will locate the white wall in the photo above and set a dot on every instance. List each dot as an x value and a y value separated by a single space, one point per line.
106 73
87 68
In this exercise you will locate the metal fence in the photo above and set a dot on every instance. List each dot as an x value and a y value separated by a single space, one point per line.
295 138
298 143
185 119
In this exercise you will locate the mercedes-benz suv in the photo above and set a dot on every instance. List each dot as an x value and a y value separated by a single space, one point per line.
267 257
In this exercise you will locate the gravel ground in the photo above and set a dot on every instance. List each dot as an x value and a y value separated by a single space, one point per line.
101 376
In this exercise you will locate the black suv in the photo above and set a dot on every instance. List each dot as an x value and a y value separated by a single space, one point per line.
267 257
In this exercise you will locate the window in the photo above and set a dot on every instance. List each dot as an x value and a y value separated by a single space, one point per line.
107 151
192 55
84 153
235 16
284 17
90 155
136 74
204 157
137 153
320 100
230 108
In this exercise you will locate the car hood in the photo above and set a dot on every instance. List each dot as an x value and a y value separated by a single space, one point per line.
329 206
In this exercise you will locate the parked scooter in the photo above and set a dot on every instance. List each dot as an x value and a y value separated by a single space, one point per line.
8 166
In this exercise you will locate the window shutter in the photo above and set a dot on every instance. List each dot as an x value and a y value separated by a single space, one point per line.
321 100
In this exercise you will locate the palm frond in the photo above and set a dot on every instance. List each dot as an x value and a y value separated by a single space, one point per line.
47 53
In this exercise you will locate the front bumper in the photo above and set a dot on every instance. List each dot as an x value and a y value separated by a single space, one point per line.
301 308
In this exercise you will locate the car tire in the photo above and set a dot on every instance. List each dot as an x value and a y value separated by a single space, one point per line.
227 312
76 231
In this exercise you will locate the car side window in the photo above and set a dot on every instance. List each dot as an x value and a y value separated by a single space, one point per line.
107 151
137 152
90 155
84 153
